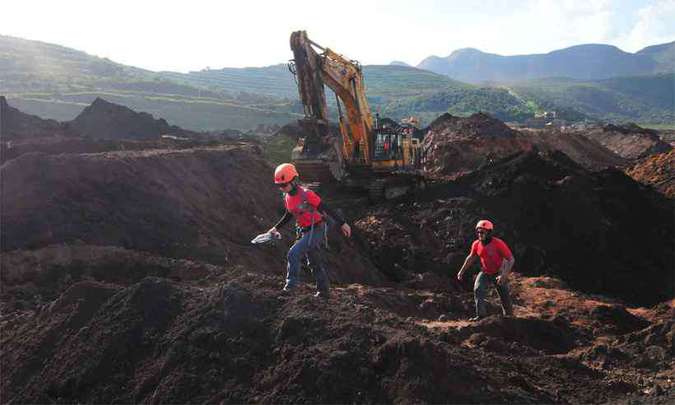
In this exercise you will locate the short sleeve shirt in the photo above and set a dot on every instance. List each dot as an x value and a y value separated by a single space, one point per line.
491 255
304 209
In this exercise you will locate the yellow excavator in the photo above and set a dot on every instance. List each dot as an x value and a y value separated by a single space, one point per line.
381 156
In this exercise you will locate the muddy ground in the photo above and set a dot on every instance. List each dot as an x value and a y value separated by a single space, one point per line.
656 170
128 276
457 145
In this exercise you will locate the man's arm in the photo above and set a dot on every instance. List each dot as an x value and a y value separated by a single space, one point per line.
346 229
505 269
323 207
507 263
468 262
283 221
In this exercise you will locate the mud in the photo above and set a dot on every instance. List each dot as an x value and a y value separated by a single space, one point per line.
629 141
455 145
128 276
658 171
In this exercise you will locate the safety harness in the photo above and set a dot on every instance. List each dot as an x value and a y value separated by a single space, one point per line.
306 207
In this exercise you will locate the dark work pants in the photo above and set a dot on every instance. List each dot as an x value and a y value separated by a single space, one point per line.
480 291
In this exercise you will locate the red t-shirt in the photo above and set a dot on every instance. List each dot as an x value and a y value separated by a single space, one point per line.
492 255
304 214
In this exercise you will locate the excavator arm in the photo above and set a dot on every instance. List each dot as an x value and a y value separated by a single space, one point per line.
307 71
345 78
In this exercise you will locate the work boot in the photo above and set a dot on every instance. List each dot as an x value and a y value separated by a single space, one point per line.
287 290
322 294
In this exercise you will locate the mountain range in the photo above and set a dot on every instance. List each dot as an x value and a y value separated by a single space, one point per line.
56 82
583 62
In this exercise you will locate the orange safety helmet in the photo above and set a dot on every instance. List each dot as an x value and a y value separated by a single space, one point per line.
485 224
285 173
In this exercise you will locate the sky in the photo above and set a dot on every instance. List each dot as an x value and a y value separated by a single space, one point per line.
197 34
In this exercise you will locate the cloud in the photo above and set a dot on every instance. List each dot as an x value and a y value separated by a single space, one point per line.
169 35
654 26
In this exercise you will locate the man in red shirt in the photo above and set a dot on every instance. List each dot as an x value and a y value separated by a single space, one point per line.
496 261
310 216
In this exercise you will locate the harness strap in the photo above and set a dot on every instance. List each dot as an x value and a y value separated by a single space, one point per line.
312 210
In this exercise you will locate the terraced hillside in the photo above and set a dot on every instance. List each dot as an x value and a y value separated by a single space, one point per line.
58 82
396 91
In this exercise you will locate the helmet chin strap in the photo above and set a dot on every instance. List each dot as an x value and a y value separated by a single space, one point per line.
294 187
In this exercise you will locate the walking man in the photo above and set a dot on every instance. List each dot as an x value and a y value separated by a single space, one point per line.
496 261
310 215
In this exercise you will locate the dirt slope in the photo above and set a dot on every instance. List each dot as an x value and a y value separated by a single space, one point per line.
204 203
628 141
231 337
658 171
105 120
583 226
456 145
584 151
128 276
15 124
559 218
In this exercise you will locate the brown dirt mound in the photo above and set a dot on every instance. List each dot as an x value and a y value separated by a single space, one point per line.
455 145
476 125
101 127
497 334
582 226
83 321
161 341
56 145
559 219
202 203
650 349
584 151
105 120
657 170
15 124
33 278
628 141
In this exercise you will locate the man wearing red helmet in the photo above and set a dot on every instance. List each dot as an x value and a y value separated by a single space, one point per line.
310 215
496 262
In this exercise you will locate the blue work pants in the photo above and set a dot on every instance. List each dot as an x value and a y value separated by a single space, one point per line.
309 246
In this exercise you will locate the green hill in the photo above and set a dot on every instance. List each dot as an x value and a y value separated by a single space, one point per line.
462 102
276 80
397 91
582 62
382 81
57 82
644 99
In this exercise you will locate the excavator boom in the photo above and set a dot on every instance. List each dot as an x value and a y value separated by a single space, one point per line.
372 156
314 70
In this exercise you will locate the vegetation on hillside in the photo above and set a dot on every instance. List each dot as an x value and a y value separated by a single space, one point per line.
637 98
57 82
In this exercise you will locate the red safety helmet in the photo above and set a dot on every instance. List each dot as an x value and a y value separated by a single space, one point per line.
485 224
285 173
